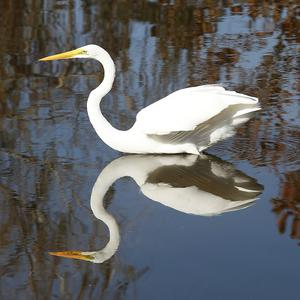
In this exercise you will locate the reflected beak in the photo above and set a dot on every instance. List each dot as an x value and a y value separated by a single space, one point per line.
73 254
64 55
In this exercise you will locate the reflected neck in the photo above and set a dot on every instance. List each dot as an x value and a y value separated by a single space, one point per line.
99 190
112 172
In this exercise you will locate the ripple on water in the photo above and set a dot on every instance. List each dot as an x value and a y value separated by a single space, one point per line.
279 149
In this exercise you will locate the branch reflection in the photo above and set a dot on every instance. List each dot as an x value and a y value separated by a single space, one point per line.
203 186
287 206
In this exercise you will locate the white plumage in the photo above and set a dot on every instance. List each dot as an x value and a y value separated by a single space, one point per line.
199 185
188 120
184 109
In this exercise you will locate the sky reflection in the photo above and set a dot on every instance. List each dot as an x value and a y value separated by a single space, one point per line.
50 155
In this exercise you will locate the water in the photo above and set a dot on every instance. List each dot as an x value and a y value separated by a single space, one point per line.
51 157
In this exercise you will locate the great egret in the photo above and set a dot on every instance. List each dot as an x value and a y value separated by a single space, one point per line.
200 185
186 121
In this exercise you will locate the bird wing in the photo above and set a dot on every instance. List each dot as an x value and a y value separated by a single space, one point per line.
184 110
202 134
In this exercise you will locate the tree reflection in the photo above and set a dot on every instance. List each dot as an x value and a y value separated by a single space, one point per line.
49 151
287 206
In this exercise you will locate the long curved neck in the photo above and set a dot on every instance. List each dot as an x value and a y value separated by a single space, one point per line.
118 168
99 190
123 166
110 135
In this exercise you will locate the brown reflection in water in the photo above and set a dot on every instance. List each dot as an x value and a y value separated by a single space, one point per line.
210 57
287 206
48 148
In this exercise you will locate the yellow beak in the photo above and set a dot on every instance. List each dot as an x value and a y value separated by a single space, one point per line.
73 254
64 55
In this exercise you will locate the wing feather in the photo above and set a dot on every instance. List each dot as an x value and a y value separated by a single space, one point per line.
210 131
185 109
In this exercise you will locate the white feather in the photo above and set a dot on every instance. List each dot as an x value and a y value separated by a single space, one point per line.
179 114
183 110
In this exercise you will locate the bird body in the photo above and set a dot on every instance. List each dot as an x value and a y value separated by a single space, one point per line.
186 121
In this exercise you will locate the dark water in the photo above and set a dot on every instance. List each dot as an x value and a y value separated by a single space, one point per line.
51 157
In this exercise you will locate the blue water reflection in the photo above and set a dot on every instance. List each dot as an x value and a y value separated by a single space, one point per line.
50 155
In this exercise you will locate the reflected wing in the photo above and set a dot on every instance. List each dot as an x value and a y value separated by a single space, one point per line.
208 187
185 109
213 176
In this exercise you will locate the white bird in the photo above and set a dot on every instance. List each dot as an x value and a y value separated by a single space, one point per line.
186 121
200 185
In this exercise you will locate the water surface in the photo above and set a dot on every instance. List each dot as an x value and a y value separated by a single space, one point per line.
51 157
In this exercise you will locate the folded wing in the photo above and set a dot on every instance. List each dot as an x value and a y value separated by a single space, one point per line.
193 115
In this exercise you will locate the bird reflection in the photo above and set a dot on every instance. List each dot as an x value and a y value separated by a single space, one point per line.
200 185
